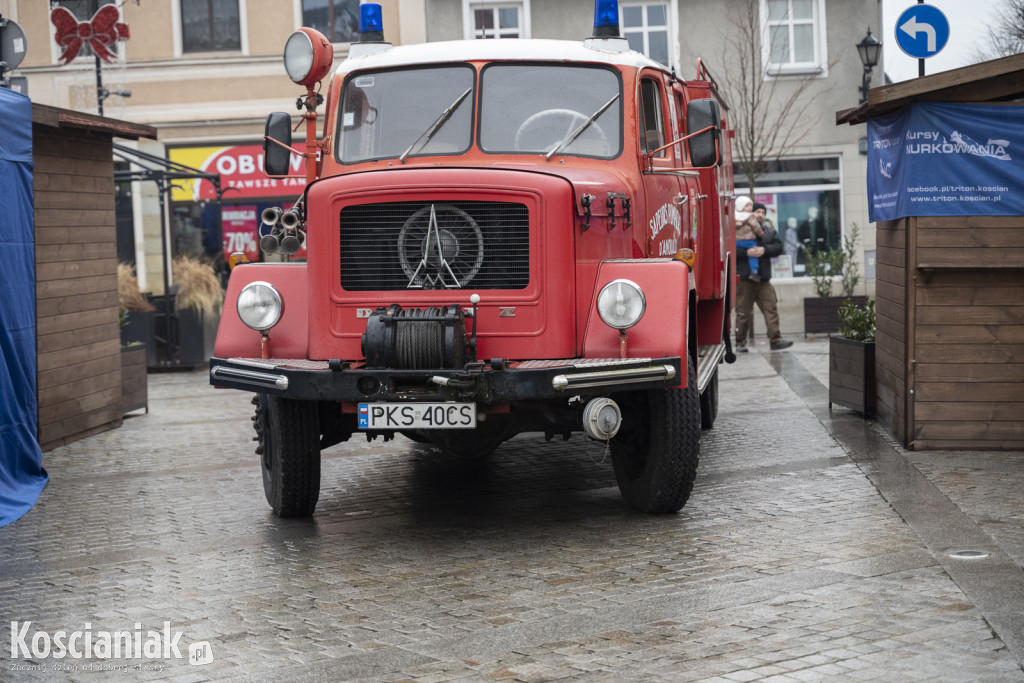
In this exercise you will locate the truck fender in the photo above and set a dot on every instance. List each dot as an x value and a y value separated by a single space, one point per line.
663 330
290 337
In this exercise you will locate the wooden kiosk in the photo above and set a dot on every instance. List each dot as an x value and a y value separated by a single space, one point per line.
950 295
78 334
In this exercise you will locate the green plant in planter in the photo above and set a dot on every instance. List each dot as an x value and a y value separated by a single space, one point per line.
857 322
822 265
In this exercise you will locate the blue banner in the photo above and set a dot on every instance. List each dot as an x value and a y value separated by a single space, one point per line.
946 159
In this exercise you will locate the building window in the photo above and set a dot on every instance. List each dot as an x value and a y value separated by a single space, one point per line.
645 26
794 32
82 9
336 19
497 21
210 25
803 198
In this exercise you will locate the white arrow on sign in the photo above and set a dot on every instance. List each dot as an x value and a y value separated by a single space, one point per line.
911 27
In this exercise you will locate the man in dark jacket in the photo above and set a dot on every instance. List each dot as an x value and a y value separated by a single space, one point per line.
756 287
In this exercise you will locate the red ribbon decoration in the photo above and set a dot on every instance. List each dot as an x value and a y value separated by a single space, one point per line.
101 32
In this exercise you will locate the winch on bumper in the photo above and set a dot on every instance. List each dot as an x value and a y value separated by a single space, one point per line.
487 382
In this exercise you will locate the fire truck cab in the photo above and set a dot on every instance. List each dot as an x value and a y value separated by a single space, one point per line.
503 236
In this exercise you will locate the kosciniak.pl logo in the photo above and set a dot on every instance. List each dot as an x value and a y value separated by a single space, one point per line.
99 644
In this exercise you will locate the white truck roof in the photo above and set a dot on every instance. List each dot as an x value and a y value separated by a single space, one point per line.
612 51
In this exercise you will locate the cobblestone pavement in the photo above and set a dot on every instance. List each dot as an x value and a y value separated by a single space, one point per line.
812 548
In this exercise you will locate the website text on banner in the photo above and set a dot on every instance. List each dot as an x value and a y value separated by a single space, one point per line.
946 159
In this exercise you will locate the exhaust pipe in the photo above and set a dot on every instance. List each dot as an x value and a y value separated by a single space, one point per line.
601 419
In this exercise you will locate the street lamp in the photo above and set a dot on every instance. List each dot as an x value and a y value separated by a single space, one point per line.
869 49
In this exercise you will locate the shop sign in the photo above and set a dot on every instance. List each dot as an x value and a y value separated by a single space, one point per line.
945 159
241 226
240 168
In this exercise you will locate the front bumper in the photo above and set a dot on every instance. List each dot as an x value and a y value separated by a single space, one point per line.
484 383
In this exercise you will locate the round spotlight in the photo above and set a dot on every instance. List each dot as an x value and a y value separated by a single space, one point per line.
260 306
308 56
621 304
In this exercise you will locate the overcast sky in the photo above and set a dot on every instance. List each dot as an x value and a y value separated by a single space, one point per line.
968 21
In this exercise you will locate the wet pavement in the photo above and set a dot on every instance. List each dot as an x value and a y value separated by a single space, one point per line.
812 548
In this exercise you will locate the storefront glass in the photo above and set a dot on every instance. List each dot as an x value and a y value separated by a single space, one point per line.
804 203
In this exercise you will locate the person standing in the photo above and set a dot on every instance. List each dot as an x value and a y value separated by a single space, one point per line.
754 270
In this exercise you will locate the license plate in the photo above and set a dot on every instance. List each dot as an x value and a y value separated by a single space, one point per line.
417 415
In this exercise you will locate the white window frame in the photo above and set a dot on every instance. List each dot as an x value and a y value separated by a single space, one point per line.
818 65
470 6
671 19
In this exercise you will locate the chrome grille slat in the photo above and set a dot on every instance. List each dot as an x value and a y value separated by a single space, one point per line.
373 237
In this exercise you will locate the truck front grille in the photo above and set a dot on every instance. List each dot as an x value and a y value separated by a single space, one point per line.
440 245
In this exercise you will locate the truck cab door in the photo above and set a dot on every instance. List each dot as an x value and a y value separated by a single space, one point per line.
666 195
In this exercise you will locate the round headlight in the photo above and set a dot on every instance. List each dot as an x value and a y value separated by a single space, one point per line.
308 56
259 306
621 304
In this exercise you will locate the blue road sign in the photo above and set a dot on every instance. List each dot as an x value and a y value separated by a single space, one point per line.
921 31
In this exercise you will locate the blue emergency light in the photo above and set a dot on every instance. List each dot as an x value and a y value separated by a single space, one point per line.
371 23
606 18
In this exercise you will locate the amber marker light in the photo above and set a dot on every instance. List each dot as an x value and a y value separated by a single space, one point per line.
687 256
236 258
308 56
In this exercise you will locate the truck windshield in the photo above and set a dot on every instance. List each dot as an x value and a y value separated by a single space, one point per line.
406 112
546 108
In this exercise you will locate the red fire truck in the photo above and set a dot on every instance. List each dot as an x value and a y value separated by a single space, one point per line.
503 236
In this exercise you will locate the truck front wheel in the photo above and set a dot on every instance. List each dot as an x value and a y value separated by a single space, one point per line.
288 432
656 451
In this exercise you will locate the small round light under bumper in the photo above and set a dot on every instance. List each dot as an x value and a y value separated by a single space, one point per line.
308 56
259 306
621 304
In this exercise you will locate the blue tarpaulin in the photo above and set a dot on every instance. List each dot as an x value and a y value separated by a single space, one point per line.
22 476
946 159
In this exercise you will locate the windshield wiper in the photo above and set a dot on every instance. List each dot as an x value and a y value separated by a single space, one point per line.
583 126
436 125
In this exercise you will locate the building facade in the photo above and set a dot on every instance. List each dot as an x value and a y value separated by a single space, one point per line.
808 65
206 73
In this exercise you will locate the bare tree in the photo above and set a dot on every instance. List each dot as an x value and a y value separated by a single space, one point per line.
767 112
1005 34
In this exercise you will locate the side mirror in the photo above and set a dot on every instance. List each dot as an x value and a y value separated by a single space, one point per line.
704 148
277 159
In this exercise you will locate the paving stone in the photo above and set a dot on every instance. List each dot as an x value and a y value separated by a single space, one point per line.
786 564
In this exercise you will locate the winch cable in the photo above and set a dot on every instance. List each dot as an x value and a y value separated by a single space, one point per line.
419 345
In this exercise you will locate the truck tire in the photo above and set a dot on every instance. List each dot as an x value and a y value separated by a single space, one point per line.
656 451
288 432
709 403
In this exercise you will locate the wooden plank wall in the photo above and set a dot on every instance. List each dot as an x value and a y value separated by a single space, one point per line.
890 317
969 338
78 333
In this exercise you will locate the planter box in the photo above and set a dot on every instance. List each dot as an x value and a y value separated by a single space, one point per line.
140 329
189 341
851 375
134 383
821 314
